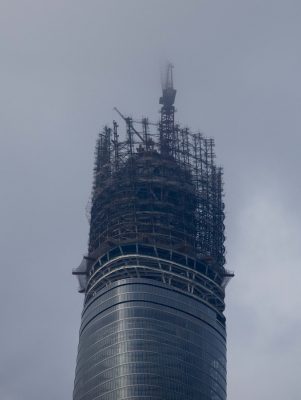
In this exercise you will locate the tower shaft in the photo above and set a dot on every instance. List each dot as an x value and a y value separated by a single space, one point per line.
153 324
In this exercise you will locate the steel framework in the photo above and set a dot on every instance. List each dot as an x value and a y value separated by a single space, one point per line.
156 184
156 187
154 277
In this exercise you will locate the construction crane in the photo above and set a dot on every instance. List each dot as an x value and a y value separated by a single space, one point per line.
146 139
168 91
135 121
129 122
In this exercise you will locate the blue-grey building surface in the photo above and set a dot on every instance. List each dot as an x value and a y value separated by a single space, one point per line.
153 324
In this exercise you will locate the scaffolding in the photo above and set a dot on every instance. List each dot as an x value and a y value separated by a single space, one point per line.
157 184
157 209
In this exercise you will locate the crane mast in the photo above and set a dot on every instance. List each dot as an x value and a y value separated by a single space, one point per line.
167 123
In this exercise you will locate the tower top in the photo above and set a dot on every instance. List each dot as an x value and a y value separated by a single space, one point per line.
168 91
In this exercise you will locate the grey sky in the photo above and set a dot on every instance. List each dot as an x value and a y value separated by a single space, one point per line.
64 66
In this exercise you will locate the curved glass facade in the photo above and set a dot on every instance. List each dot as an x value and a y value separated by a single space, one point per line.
142 339
154 278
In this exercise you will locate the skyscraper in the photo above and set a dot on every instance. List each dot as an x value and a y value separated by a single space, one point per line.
154 278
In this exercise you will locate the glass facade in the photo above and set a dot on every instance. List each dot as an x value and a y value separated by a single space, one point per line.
141 339
153 324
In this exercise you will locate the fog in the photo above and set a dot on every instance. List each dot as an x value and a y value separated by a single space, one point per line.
64 66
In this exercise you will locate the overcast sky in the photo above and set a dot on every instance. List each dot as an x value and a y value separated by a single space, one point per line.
64 65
